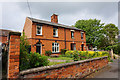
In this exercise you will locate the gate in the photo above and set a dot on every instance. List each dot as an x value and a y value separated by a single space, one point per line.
4 59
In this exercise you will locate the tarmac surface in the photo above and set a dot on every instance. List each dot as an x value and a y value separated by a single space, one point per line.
113 71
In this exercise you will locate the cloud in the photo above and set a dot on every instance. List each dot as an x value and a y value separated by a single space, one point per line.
14 14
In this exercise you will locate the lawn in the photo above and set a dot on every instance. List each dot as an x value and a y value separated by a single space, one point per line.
61 58
55 63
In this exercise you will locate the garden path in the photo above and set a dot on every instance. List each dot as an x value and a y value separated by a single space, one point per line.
51 60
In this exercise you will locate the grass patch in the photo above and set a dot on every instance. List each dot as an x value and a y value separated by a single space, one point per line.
55 63
61 58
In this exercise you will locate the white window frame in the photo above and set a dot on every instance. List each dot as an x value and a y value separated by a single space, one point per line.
55 46
83 35
72 36
56 32
40 30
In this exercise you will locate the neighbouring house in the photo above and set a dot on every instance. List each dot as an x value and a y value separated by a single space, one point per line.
4 34
44 35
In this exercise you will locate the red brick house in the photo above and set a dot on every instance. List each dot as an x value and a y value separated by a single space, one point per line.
44 35
4 35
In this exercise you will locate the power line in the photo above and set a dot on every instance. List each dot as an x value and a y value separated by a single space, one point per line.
29 8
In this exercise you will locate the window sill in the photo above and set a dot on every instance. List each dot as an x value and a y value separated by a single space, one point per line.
39 35
55 52
55 36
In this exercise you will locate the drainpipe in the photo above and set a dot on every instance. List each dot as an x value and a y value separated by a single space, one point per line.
65 36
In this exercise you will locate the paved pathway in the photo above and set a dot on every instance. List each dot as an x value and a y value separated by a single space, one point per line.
111 72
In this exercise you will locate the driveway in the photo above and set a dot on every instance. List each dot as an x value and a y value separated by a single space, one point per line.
111 72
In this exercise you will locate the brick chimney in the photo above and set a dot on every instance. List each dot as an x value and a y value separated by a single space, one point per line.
54 18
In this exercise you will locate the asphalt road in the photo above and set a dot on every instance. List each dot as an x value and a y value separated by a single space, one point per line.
112 72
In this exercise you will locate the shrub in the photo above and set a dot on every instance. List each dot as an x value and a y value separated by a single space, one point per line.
67 61
109 59
37 60
75 56
63 51
104 53
33 60
48 53
24 61
85 54
69 54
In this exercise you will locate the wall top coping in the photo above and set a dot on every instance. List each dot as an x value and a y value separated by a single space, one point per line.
38 69
15 33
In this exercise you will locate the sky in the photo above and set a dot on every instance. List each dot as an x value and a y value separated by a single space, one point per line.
15 13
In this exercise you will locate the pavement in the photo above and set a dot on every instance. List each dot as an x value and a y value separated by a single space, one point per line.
111 72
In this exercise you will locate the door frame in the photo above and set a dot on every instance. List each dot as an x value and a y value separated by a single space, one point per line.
82 47
40 45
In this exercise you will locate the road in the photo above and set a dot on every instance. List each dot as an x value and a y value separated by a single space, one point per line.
112 72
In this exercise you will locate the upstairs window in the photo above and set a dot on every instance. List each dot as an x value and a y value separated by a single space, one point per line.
72 34
39 30
82 35
55 32
55 47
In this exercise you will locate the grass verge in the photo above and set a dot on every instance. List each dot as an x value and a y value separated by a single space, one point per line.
61 58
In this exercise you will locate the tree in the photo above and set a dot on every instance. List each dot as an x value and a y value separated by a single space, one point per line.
24 45
24 52
103 43
110 32
93 29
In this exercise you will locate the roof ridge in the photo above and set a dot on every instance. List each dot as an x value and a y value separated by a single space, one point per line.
51 23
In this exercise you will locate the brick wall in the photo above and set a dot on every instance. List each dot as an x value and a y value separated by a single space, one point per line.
28 28
3 39
13 55
78 69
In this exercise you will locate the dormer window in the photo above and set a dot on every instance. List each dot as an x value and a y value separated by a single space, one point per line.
82 35
39 30
55 32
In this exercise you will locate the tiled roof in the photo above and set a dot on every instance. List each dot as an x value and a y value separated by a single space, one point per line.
4 32
53 24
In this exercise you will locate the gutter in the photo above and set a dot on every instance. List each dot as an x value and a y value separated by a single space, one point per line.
65 36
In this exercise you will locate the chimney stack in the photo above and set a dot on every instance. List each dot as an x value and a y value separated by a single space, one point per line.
54 18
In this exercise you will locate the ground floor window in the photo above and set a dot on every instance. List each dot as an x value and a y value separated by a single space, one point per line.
55 47
73 46
29 49
82 46
38 48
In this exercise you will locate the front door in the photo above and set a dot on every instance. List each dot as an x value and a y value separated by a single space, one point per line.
82 46
73 46
38 48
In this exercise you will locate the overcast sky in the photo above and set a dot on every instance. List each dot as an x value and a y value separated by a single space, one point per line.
14 13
